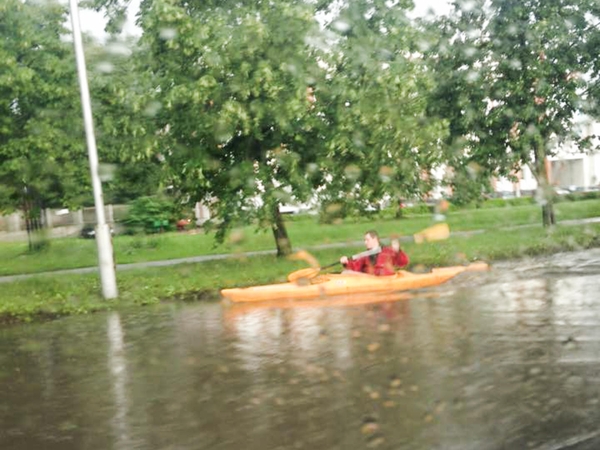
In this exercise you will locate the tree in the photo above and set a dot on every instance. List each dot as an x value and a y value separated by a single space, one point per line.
259 104
513 77
382 143
43 157
123 107
232 113
40 119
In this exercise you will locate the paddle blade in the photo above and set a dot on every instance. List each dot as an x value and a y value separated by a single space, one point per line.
437 232
309 272
478 266
303 255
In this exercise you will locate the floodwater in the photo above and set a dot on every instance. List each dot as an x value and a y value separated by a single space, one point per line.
506 359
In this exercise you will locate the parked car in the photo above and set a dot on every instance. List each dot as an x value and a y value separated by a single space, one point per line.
289 209
296 209
89 232
574 188
182 224
561 191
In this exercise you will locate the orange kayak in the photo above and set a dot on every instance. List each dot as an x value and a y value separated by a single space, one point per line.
331 285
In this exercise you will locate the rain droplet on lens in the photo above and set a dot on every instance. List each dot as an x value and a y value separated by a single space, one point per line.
152 109
341 26
168 33
105 67
119 48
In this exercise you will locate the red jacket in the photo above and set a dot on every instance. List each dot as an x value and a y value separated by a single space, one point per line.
383 263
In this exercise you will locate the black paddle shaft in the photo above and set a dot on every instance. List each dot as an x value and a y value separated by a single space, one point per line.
373 251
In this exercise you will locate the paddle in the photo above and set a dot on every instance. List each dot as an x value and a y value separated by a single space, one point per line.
311 272
436 232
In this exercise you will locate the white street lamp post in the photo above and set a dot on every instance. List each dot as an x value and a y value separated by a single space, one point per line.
103 237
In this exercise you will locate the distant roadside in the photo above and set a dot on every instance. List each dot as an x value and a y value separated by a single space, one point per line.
488 234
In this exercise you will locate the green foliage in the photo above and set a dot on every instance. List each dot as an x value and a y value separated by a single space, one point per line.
333 211
255 104
236 124
521 201
502 203
133 180
258 105
577 196
468 186
380 140
43 158
417 209
151 215
42 153
511 81
121 87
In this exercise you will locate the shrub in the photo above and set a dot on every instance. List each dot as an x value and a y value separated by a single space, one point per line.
151 215
419 208
521 201
332 211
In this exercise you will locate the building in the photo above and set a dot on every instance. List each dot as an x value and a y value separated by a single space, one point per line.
570 169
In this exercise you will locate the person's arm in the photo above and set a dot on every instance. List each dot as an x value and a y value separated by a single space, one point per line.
351 264
400 258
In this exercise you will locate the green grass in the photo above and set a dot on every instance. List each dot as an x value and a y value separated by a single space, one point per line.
47 296
69 253
498 218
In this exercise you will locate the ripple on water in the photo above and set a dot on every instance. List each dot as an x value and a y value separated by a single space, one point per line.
502 359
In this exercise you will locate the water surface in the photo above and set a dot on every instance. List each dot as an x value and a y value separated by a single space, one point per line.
507 359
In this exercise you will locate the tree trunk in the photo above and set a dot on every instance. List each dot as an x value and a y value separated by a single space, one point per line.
32 225
35 233
284 246
548 214
546 191
399 210
28 224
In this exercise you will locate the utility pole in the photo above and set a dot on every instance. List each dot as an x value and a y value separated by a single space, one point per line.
106 263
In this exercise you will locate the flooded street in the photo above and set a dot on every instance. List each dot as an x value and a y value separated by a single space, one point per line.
506 359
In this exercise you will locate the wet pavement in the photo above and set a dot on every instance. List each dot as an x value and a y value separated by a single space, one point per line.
507 359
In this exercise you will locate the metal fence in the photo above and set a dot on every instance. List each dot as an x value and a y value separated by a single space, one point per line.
63 218
63 222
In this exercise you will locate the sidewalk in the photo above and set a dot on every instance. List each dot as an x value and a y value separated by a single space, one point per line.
162 263
204 258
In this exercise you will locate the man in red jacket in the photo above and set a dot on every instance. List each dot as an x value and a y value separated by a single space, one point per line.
382 263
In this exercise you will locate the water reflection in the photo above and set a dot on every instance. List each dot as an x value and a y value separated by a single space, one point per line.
117 365
506 359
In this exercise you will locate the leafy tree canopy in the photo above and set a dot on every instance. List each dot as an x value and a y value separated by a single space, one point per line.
231 83
513 77
382 143
258 103
41 142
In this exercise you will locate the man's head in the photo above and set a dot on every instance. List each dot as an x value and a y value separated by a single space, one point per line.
371 239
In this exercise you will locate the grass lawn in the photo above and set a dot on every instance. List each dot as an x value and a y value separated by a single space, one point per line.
47 296
305 232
